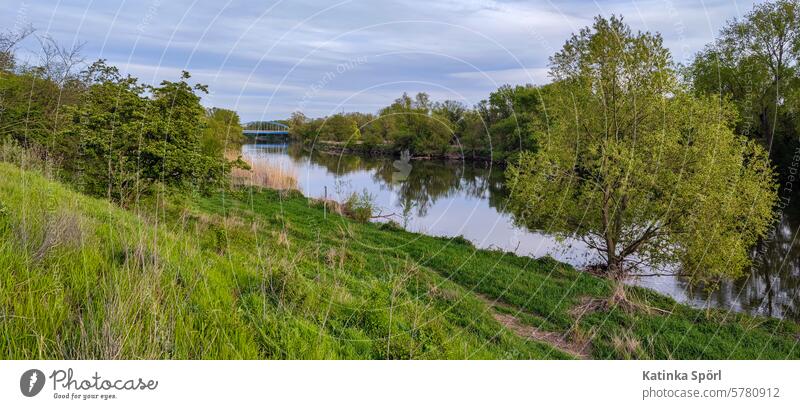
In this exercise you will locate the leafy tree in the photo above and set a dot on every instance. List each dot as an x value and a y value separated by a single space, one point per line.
107 128
221 129
473 134
755 63
513 114
638 169
32 97
128 142
172 153
340 128
453 111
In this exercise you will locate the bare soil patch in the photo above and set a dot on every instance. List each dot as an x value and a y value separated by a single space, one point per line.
514 324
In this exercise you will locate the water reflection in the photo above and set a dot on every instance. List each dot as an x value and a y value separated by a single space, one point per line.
468 199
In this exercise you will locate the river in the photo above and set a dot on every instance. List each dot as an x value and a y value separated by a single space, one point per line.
452 198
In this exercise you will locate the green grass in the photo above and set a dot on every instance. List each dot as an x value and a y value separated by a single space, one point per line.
249 274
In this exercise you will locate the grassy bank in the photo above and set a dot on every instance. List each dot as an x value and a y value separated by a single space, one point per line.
260 274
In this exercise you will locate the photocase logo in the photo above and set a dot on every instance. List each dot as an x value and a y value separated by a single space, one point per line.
31 382
403 167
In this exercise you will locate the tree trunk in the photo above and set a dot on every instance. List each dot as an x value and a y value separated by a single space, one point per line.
615 269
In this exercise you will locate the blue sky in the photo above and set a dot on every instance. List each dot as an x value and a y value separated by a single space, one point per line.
266 59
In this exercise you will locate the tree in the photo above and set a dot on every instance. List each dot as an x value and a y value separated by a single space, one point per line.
8 43
222 128
513 115
474 134
32 97
641 171
106 127
127 142
171 152
339 128
755 63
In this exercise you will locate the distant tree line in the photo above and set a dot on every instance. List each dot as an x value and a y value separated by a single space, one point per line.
493 129
111 135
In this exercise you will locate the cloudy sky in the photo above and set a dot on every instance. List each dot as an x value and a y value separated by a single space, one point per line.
266 59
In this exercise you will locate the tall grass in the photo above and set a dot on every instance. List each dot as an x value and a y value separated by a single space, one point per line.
96 281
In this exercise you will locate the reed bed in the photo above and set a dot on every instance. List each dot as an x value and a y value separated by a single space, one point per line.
263 173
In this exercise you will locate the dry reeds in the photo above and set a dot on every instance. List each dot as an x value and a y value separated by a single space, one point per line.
627 345
263 173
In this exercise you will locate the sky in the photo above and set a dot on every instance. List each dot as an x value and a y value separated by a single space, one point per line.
266 59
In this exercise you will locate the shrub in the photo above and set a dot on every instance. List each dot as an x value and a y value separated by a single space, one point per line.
359 207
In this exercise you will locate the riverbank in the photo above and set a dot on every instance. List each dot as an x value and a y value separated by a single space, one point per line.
264 274
359 148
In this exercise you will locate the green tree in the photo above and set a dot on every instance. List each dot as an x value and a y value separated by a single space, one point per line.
222 129
298 124
128 142
32 98
513 114
755 64
339 128
638 169
107 127
473 134
172 152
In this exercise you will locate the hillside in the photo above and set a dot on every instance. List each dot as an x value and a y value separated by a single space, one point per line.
262 274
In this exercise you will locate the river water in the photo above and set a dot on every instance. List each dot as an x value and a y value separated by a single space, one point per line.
452 198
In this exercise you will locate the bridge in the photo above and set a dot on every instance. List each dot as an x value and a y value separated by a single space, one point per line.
266 128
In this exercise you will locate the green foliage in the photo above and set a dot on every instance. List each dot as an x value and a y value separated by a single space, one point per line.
31 109
222 131
360 207
514 117
106 133
128 142
415 125
637 168
340 128
754 63
107 128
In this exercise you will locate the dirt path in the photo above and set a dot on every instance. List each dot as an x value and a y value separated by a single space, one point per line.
515 325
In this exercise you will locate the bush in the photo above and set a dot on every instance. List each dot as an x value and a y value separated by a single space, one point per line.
391 225
359 207
460 239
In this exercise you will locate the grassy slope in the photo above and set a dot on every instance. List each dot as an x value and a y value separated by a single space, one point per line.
260 275
80 278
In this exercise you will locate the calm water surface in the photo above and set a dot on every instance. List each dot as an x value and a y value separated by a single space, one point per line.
461 198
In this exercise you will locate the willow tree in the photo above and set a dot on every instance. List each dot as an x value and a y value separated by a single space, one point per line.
641 171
